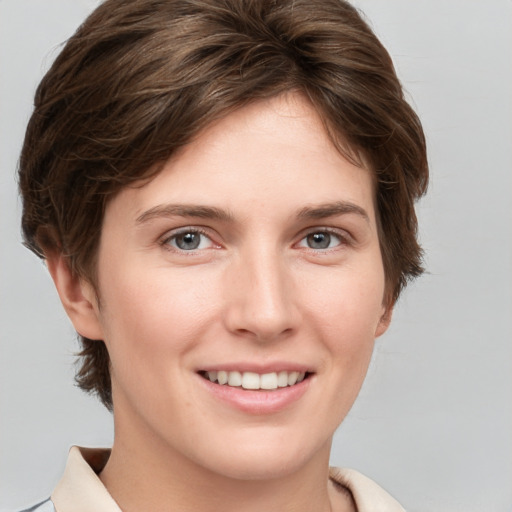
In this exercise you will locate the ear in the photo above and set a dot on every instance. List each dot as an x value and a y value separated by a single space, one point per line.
77 296
384 321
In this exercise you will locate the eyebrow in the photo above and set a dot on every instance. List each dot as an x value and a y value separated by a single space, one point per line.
184 210
320 211
325 210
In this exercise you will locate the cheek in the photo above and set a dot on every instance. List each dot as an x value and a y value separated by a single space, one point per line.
150 314
350 300
152 325
346 313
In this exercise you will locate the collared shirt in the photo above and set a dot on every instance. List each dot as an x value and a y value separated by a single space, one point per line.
81 490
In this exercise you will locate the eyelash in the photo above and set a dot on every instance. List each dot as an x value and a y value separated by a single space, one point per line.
166 242
342 236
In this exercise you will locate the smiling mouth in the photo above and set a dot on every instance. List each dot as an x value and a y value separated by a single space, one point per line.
255 381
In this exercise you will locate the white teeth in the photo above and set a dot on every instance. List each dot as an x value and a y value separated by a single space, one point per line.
292 378
268 381
235 379
282 379
252 380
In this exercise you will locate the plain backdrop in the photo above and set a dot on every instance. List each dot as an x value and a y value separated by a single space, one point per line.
433 423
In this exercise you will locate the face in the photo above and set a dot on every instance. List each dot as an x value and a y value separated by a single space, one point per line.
241 293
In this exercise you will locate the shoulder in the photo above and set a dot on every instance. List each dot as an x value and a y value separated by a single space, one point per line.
44 506
368 496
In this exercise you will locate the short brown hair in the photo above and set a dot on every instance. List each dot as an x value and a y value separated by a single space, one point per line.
140 78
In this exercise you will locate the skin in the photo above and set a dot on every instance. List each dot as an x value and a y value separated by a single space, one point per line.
257 290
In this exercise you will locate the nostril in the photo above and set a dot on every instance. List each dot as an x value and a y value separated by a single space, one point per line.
265 332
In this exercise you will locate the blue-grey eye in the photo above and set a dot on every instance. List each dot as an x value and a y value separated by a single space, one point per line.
320 240
190 241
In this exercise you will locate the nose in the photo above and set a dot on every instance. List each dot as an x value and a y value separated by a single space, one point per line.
261 302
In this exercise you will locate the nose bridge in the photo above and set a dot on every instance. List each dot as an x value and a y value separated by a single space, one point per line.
261 302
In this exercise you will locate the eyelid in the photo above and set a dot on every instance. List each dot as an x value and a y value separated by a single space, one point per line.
344 236
173 233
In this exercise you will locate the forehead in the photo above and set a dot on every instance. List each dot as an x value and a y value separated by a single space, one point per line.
275 151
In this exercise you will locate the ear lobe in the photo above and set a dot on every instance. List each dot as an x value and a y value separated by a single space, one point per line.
384 321
77 297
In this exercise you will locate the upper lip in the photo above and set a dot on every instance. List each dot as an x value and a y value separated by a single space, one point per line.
258 367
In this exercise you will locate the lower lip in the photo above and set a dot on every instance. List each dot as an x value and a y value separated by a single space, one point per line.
257 402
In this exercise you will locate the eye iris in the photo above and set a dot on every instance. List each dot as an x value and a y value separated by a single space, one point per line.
188 241
319 240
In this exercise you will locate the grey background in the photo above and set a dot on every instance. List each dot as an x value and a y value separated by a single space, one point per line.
433 423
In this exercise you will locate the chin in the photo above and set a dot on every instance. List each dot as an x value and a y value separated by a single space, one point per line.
265 458
258 468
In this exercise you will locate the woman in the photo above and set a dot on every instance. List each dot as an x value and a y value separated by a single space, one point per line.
223 193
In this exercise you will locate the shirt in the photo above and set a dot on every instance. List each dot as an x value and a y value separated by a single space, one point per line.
81 490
